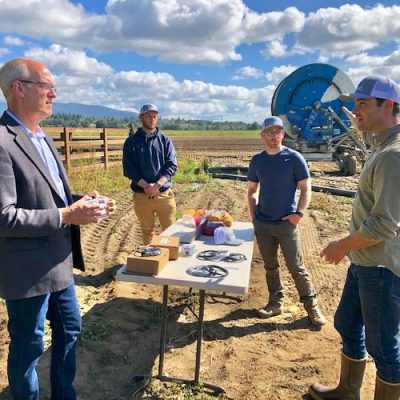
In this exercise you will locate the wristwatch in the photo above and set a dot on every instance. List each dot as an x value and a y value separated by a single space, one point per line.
299 213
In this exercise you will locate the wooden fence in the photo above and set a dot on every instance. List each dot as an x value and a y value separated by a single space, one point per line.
80 147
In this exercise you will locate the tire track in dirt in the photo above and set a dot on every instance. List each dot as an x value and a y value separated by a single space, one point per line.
324 276
108 242
229 196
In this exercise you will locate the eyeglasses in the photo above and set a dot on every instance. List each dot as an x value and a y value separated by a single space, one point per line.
274 132
44 85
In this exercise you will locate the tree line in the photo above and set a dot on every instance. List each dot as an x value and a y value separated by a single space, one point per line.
77 120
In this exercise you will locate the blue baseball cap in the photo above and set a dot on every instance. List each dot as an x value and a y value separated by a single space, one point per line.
148 107
271 121
375 87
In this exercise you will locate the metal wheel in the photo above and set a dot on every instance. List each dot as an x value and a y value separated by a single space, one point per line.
309 87
349 165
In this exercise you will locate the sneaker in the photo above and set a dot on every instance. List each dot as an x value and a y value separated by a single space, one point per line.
316 316
270 310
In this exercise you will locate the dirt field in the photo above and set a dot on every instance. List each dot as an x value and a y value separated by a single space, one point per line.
250 357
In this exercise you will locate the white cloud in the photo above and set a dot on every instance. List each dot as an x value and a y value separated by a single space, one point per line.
279 73
56 20
247 72
272 25
275 48
13 41
187 99
363 65
186 31
349 29
194 31
3 51
69 61
183 31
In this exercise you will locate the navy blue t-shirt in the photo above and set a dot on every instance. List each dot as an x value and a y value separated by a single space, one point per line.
277 176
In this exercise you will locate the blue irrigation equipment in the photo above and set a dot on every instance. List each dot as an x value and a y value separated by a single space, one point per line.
308 102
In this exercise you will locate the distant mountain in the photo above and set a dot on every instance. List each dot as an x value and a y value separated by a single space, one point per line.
90 110
86 110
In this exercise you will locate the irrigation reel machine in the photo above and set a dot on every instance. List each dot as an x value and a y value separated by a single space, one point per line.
308 102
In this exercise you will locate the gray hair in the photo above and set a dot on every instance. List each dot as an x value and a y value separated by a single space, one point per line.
11 71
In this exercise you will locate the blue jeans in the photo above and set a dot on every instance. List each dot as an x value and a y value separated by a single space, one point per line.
26 329
368 318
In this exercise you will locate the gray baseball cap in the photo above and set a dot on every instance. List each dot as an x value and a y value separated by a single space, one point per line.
375 87
148 107
271 121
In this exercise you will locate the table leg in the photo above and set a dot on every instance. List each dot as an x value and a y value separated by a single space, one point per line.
163 335
200 326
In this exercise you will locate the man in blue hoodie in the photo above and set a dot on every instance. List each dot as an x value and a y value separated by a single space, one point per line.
149 160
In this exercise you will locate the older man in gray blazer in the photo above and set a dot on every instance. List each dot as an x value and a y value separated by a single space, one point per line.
39 235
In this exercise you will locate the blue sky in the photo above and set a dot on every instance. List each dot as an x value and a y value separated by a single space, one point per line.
197 59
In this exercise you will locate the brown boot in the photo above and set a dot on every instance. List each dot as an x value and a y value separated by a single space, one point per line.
351 376
386 391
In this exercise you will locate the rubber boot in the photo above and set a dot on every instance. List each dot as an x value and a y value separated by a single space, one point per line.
386 391
351 376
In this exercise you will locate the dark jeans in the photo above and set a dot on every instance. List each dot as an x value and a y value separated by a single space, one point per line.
368 318
284 234
26 329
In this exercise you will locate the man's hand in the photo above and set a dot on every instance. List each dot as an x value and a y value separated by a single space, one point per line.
152 190
337 250
292 218
81 212
111 206
334 252
352 117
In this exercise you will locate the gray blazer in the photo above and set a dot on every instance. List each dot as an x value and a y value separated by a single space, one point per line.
36 254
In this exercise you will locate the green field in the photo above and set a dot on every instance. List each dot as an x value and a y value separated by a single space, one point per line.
94 132
213 133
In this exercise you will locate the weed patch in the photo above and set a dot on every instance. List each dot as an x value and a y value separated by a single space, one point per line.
96 329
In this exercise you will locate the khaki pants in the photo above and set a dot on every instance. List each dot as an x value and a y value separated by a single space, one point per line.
146 209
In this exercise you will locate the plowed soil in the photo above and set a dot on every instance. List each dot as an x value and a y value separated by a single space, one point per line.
251 358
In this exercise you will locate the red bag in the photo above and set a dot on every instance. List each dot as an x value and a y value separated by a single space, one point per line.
210 227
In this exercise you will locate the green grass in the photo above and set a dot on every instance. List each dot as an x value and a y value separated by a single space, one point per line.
97 329
84 180
95 177
191 171
329 203
209 133
336 208
95 132
174 391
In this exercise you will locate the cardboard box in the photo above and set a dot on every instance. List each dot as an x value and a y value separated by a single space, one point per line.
168 242
151 265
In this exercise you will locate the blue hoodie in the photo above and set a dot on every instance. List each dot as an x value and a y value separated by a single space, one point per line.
149 157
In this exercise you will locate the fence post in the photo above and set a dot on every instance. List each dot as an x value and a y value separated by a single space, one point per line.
66 137
104 138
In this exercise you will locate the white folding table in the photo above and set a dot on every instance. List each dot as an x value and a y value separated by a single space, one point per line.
175 274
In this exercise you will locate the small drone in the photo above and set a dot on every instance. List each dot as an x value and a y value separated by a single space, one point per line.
146 251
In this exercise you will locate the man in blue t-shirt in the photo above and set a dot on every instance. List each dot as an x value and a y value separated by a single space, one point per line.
273 177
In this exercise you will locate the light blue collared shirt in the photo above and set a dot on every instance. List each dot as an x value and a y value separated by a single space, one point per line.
46 155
